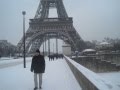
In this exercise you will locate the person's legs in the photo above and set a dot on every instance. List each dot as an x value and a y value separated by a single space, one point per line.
35 80
40 80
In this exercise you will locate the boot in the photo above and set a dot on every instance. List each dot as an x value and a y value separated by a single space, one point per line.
35 88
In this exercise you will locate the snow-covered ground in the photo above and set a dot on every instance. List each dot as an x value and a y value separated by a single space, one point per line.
57 76
12 62
5 58
114 77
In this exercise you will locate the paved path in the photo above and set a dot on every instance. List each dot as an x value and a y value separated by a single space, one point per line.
57 76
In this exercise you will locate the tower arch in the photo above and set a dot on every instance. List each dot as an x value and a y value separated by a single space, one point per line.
44 27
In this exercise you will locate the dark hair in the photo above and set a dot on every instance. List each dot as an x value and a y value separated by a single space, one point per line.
37 51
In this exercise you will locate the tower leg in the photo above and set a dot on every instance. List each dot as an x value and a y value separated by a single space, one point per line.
48 46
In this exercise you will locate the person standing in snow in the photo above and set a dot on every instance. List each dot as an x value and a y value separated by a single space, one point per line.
38 67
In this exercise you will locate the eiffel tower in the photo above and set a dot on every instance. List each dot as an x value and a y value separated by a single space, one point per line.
43 28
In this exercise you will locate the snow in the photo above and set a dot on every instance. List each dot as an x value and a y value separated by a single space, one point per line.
97 80
57 76
104 43
88 50
114 77
9 60
12 62
5 58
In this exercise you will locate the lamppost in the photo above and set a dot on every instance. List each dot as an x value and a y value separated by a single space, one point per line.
43 47
24 61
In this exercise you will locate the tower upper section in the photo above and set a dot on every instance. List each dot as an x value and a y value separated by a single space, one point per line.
45 5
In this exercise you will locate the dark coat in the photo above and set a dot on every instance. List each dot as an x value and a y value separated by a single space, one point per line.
38 64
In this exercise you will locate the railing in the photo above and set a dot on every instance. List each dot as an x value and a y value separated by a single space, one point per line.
51 20
87 79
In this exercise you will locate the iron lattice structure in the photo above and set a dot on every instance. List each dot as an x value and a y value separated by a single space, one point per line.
42 28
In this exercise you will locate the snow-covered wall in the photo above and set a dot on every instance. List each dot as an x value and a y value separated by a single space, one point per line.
89 80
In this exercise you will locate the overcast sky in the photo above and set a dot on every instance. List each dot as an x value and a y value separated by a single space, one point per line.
93 19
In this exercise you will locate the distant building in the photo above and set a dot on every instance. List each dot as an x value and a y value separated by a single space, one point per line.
89 52
104 47
66 48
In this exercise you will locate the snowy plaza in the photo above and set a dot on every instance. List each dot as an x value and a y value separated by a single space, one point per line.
57 76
